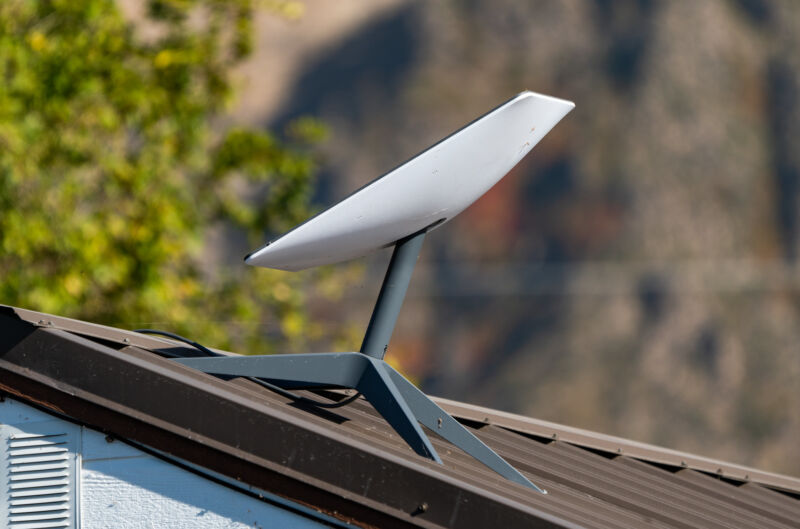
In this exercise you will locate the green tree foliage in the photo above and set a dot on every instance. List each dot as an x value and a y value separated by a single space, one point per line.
114 168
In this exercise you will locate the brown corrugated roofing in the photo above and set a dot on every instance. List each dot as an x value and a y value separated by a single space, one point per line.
616 445
351 465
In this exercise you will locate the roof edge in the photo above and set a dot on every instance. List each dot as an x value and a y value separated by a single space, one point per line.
618 445
45 366
518 423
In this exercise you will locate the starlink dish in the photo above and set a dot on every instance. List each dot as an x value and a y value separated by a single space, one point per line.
398 209
426 191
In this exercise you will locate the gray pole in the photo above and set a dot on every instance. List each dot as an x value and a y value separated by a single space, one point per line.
390 299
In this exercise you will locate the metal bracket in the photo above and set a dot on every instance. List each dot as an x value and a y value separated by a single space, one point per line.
400 403
390 298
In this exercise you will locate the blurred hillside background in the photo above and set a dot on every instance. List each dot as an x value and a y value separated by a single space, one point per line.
637 274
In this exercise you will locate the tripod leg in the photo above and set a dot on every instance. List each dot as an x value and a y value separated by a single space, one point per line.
335 369
443 424
378 388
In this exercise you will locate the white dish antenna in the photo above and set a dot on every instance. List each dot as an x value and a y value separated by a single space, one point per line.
398 209
424 192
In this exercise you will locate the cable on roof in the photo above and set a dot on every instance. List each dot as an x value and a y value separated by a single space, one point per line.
179 338
263 383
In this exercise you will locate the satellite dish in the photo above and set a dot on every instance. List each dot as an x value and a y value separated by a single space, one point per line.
398 209
423 193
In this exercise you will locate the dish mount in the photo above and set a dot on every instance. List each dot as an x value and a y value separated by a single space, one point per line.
399 209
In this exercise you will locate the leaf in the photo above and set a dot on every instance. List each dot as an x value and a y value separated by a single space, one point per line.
113 172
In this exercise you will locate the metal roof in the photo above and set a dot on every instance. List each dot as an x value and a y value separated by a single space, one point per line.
348 463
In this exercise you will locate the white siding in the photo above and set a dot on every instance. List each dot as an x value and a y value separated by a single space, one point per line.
98 484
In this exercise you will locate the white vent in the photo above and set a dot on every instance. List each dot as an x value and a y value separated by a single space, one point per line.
38 475
39 480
